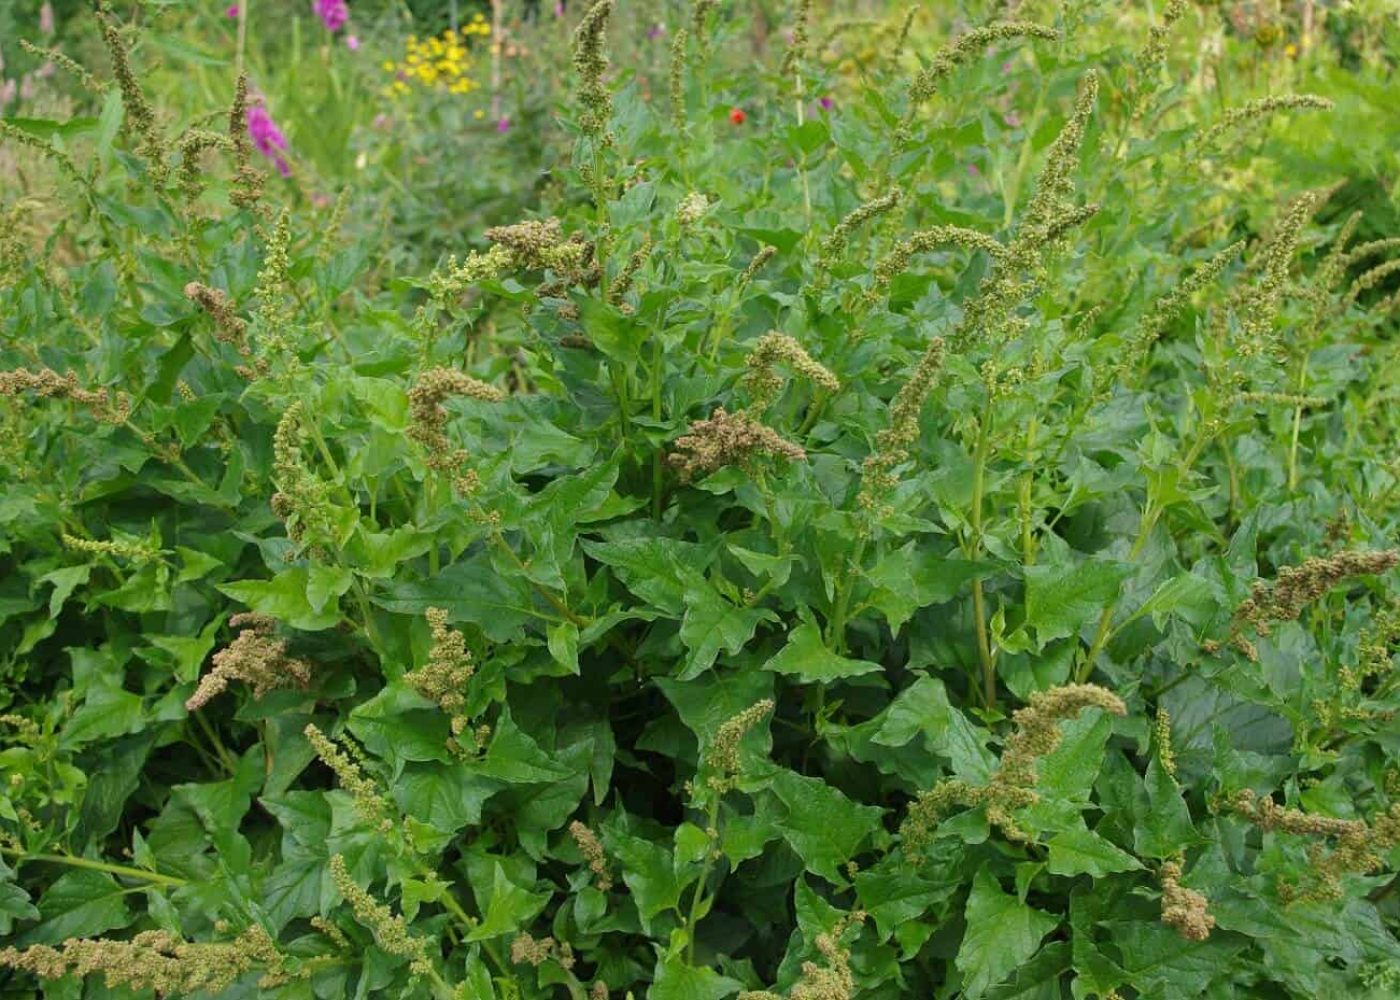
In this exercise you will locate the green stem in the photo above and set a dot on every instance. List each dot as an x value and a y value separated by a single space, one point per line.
230 765
698 897
1297 428
979 608
837 637
73 861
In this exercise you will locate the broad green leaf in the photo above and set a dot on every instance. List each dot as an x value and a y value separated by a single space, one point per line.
1083 852
1061 600
470 590
79 903
712 625
1002 934
821 824
909 579
923 707
806 657
284 597
673 979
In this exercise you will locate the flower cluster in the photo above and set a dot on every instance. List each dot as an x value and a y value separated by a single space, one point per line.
1283 599
723 757
391 932
592 850
428 420
1358 846
1183 908
772 349
442 62
369 800
257 657
444 677
157 960
1012 785
729 439
48 384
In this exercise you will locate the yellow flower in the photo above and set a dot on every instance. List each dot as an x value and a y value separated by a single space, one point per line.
1290 50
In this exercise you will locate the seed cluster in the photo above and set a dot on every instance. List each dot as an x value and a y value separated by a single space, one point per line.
1182 908
48 384
157 960
1012 784
1356 846
257 657
762 379
428 420
1284 598
729 439
390 932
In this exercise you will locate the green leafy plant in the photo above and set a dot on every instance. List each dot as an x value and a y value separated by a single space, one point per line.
934 544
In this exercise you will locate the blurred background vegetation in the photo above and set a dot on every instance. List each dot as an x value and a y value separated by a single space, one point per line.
424 165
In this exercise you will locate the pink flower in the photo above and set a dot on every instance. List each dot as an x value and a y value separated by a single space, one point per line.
559 9
232 11
268 138
46 18
352 42
827 103
333 13
972 170
1012 119
503 123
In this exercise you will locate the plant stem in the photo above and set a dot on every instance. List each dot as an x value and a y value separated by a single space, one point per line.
697 898
73 861
1297 428
837 637
979 609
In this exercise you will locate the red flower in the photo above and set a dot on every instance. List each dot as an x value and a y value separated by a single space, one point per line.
737 116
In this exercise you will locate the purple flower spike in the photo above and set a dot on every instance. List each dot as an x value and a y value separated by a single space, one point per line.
268 138
333 13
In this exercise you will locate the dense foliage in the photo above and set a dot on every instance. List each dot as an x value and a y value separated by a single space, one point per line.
909 513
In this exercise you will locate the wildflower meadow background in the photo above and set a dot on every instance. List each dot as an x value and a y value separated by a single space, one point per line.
699 500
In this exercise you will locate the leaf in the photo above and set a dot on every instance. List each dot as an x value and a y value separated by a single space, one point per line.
470 590
1061 600
1167 828
79 903
1002 934
673 979
806 657
515 758
923 707
511 908
909 579
712 625
284 597
821 824
658 570
399 725
1083 852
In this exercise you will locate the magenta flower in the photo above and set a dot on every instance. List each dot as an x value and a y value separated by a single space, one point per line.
232 11
657 30
558 10
268 138
503 123
333 13
827 103
352 42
